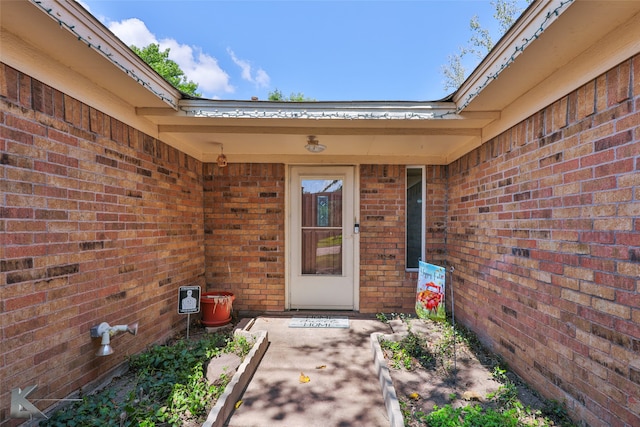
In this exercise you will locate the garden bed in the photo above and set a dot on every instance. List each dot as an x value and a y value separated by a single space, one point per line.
182 383
434 377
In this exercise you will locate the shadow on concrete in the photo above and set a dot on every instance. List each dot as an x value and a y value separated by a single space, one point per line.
343 389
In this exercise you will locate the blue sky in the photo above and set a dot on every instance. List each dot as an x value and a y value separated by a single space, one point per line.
329 50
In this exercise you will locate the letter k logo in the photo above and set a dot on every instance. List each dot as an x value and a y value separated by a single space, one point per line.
21 407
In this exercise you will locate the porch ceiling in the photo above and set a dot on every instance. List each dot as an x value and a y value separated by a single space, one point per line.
375 132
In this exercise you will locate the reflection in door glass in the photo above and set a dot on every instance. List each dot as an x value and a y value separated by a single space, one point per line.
322 226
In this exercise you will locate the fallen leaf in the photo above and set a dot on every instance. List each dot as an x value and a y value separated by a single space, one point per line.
238 403
321 366
472 395
304 378
414 396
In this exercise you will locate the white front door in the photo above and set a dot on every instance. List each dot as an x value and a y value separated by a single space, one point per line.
321 230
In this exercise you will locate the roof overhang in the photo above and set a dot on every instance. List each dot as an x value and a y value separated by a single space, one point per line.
374 132
554 47
61 44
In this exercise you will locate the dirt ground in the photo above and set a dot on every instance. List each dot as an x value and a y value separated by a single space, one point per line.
457 378
126 382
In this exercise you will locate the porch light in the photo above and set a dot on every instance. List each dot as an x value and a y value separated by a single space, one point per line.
222 159
104 331
313 145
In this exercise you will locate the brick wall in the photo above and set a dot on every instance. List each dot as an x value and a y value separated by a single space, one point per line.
435 203
385 285
244 226
98 222
544 233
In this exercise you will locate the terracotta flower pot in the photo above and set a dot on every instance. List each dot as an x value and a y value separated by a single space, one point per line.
216 307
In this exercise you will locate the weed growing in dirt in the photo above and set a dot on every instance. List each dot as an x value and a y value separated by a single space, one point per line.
470 416
436 343
507 394
169 387
385 318
412 350
504 409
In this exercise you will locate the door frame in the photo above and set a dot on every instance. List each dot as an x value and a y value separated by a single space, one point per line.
354 194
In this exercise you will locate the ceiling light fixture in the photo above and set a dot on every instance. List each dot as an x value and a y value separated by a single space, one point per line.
222 159
313 145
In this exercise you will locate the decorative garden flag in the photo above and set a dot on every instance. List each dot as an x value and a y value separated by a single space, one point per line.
430 293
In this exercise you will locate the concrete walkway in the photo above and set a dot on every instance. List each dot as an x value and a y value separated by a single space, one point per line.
343 387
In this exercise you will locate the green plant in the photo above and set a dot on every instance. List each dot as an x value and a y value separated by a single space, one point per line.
507 396
239 345
170 386
405 317
507 393
95 411
470 416
382 317
499 374
404 409
404 352
417 347
558 412
501 408
191 398
444 346
400 358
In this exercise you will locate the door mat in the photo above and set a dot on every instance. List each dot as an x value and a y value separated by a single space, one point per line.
319 322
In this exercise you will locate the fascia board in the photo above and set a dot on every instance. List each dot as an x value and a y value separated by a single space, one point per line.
321 110
540 15
72 17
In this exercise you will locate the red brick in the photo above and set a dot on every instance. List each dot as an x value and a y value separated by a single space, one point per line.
24 83
27 125
17 303
9 82
585 100
618 84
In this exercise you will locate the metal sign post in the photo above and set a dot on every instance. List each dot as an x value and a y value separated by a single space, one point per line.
188 302
453 323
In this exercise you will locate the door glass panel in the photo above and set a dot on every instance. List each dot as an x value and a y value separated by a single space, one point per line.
322 227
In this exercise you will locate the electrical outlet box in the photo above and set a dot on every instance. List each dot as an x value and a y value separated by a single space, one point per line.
94 332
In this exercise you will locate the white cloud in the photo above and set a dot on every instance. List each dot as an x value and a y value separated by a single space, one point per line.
197 66
133 32
244 65
260 78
